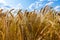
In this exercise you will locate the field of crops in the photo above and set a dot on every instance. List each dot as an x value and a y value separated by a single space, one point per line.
42 25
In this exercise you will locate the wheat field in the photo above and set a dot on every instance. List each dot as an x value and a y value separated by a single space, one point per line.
42 25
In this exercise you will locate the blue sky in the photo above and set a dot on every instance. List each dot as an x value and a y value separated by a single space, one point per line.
29 4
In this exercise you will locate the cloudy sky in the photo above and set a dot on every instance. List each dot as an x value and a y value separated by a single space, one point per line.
29 4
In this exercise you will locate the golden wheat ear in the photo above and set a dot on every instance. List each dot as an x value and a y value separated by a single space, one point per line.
11 13
1 11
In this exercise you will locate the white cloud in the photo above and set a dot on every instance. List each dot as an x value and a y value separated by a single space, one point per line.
35 5
4 4
2 1
52 0
30 7
42 0
50 3
57 8
47 0
18 6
